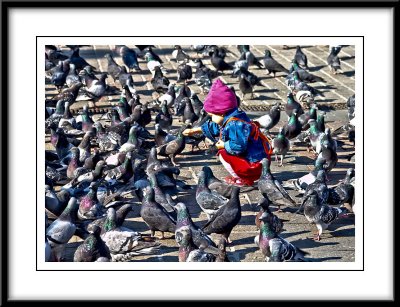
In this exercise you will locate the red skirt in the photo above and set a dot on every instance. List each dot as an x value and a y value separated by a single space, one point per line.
247 171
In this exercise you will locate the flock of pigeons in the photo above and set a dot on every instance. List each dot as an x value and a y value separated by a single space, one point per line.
100 168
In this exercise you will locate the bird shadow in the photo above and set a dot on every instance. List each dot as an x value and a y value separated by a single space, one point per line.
311 243
242 254
322 259
291 234
345 58
316 68
325 87
349 73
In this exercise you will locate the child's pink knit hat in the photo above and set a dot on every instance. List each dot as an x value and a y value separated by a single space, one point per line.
220 99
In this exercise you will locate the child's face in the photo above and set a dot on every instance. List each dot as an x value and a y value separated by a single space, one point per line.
218 119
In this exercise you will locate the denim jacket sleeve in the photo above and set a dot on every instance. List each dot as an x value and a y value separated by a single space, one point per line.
210 130
236 135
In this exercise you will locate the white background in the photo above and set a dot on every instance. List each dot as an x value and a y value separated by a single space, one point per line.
374 282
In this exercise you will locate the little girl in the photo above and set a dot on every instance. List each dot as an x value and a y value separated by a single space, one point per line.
241 145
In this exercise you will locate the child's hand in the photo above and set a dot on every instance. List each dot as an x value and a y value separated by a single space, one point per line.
220 144
187 132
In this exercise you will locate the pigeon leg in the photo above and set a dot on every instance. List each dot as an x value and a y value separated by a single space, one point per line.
252 95
153 233
162 235
172 157
273 73
276 158
281 161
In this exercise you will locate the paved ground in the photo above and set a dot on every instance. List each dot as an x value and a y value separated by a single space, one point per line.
337 243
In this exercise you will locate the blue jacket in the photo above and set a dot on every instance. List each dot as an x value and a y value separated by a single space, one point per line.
236 136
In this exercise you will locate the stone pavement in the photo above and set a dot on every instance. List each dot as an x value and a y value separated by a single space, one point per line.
337 243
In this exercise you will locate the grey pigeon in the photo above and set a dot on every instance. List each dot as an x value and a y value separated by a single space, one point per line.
226 217
273 247
276 222
173 148
63 228
200 238
269 120
125 243
155 216
344 191
208 200
92 248
319 213
271 65
280 145
301 58
272 189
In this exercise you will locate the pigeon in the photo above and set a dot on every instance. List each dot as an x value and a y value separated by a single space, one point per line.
334 62
183 236
87 121
159 82
179 55
54 119
304 75
120 216
226 217
292 105
125 79
72 77
63 228
155 216
173 148
125 243
60 74
218 61
272 189
203 76
302 89
189 115
293 128
271 65
133 143
321 121
280 145
214 184
164 200
327 156
67 94
351 104
89 206
94 88
123 172
199 255
344 191
77 60
92 248
67 116
245 86
184 72
319 213
209 201
276 223
113 69
152 62
52 203
269 120
300 58
200 238
129 57
168 97
305 117
273 247
251 59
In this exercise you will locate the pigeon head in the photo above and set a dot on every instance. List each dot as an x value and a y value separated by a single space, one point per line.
267 52
177 47
266 216
95 230
264 203
350 173
108 56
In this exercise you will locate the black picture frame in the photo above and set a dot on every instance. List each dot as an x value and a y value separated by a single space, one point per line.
4 111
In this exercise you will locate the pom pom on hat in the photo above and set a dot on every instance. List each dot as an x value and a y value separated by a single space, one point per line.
220 99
